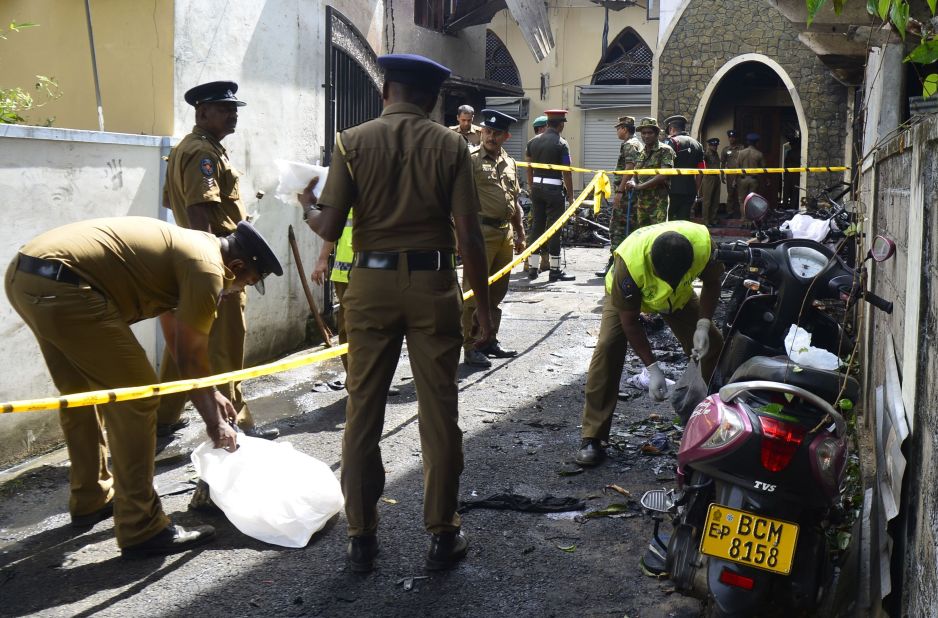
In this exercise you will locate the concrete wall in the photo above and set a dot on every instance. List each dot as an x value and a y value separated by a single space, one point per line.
706 35
577 26
134 44
50 177
900 191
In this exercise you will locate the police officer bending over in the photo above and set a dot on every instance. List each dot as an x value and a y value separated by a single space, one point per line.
403 284
653 272
79 288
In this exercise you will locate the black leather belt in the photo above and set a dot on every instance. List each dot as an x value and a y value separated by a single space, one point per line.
493 222
416 260
50 269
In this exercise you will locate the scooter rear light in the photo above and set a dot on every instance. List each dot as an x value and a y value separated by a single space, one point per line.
826 455
731 425
731 578
780 440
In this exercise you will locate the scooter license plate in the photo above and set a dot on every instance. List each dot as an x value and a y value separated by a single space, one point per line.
750 539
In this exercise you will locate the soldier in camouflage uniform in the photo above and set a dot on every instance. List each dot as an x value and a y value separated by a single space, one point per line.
650 194
629 152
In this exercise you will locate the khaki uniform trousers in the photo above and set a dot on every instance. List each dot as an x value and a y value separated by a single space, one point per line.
605 372
744 186
381 308
225 353
710 194
340 288
498 253
88 346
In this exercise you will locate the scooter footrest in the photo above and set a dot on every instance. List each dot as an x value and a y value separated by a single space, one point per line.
658 500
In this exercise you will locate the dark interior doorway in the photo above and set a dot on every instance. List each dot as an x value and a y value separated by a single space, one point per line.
751 98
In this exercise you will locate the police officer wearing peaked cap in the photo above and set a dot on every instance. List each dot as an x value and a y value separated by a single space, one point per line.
496 176
203 191
95 278
403 284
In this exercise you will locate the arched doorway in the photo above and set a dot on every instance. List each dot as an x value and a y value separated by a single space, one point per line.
752 93
353 84
499 65
627 60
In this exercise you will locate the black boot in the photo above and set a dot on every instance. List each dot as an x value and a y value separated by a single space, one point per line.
362 551
602 273
591 452
558 275
446 550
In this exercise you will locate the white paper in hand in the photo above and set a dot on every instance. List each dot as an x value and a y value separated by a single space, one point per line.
270 491
294 176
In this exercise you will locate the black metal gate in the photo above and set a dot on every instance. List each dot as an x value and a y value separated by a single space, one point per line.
353 84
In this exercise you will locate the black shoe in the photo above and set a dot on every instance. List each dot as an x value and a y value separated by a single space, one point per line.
591 452
493 350
532 273
654 561
475 358
89 519
170 540
361 553
269 433
167 429
558 275
602 273
446 550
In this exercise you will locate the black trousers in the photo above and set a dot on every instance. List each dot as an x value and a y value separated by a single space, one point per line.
547 204
680 206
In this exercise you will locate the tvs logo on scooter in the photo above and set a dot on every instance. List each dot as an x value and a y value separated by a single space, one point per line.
765 486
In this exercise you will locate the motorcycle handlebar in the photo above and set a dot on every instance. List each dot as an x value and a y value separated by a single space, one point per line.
880 303
733 256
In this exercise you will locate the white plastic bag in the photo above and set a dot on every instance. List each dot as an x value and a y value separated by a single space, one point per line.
799 349
641 380
294 176
806 226
270 491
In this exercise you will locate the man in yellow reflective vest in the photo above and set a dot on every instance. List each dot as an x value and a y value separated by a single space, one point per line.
653 272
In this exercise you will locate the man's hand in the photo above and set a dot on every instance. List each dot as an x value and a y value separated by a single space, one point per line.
520 242
701 339
319 270
223 436
630 184
486 327
657 385
307 199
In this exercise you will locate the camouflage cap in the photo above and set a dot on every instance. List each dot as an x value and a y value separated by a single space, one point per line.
648 122
625 121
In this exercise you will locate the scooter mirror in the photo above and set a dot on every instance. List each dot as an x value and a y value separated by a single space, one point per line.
755 207
883 248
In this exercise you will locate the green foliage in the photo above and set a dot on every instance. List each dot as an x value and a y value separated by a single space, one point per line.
925 53
899 16
16 101
930 85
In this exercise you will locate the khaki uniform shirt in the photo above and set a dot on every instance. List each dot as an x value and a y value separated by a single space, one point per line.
712 159
750 156
144 266
406 176
198 171
660 156
497 183
473 137
729 156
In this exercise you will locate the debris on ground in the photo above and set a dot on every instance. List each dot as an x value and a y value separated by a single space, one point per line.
516 502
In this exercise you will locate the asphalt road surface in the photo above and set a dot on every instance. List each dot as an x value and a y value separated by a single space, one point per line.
521 423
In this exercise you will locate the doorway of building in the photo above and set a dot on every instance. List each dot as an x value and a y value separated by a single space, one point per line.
752 98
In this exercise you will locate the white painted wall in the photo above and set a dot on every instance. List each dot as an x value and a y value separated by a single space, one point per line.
50 177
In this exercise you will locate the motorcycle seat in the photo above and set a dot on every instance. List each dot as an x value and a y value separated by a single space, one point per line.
826 384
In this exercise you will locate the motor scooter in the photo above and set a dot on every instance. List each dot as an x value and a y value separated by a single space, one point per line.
762 459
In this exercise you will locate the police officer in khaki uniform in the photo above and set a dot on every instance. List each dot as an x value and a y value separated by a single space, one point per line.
403 284
751 157
79 288
496 176
683 191
729 159
654 272
710 185
550 189
465 127
203 193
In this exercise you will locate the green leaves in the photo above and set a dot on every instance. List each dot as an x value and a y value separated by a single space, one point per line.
882 9
930 85
899 16
932 5
925 52
845 404
814 6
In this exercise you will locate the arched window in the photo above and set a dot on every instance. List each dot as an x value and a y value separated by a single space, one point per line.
499 65
627 61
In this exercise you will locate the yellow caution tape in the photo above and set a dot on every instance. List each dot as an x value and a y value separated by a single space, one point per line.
671 171
167 388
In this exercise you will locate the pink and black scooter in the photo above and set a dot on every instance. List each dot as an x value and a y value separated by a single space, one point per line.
762 460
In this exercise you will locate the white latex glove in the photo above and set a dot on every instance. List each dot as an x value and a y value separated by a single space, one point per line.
657 384
701 339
